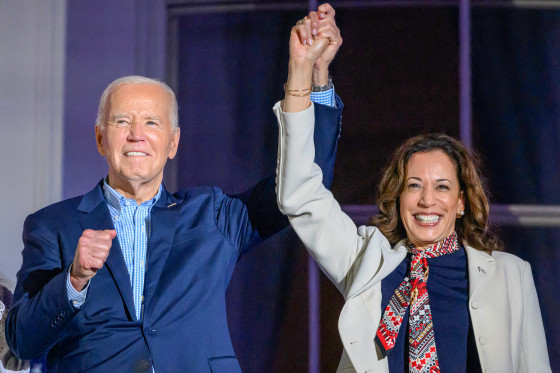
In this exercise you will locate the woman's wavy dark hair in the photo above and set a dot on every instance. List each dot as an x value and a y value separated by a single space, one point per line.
472 227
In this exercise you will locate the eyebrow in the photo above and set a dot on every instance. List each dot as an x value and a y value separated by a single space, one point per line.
119 116
126 116
438 180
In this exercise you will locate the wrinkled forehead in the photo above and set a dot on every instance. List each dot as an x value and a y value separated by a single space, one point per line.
139 97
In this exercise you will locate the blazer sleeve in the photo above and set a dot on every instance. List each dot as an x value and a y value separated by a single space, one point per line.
351 257
534 353
41 308
249 217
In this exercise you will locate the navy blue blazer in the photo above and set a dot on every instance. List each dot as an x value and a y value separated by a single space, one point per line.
197 237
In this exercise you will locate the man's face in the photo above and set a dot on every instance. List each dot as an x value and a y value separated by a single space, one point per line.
137 137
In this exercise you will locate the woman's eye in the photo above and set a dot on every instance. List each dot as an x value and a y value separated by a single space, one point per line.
442 187
414 186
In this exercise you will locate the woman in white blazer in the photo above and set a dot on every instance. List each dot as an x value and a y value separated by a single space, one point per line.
429 251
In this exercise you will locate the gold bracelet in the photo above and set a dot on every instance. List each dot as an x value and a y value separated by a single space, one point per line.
290 91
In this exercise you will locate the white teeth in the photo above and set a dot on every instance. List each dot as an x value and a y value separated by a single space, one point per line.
427 218
129 154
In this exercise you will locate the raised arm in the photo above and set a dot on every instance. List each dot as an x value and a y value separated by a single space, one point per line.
348 255
260 200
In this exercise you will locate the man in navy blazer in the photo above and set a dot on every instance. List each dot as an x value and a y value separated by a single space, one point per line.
131 278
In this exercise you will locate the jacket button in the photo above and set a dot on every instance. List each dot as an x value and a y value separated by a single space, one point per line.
475 305
142 366
482 340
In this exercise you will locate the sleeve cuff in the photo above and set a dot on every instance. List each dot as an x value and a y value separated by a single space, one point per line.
324 98
76 298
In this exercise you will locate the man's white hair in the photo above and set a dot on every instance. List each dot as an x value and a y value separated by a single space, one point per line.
137 79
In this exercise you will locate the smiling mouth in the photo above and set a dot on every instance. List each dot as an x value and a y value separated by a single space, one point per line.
135 154
427 219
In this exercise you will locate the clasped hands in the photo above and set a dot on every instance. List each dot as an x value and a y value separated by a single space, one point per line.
314 42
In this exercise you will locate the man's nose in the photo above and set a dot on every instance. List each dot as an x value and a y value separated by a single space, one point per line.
136 131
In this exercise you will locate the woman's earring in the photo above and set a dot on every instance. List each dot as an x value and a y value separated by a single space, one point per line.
460 214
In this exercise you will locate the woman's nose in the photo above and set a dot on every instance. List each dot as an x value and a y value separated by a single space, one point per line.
427 198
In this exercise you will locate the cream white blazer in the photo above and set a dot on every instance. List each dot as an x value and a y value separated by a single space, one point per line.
503 301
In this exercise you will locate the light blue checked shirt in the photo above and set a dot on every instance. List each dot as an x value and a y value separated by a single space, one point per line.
325 97
132 223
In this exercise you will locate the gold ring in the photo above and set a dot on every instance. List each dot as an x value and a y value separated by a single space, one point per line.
299 22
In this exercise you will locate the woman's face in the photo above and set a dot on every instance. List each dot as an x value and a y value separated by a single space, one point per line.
431 198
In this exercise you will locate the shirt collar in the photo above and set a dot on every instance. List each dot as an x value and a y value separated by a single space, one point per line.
115 199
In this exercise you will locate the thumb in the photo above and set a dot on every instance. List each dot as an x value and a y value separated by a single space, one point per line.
318 47
112 232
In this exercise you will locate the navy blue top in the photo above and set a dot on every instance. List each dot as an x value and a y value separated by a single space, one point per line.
448 289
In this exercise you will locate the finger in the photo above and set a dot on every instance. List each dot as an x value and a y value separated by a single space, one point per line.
107 234
101 255
318 47
327 24
301 32
93 264
98 245
327 10
307 24
314 18
332 35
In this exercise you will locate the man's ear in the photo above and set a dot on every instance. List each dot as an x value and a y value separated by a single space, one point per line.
175 143
98 140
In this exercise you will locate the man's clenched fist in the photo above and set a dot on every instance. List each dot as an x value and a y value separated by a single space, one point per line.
91 253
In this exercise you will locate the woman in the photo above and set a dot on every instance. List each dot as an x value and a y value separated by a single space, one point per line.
426 288
8 361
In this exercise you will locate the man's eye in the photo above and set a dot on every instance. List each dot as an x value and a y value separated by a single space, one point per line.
121 123
152 124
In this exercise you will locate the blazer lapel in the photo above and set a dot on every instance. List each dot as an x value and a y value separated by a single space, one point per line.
97 217
480 267
164 219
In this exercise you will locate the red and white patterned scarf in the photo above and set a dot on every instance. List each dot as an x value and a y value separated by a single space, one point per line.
414 293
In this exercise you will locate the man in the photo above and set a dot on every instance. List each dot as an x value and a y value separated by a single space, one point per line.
130 278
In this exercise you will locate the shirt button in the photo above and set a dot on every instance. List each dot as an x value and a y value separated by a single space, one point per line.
475 305
149 331
482 340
